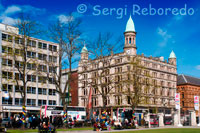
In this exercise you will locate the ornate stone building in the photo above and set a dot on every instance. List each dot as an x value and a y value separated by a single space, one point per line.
163 74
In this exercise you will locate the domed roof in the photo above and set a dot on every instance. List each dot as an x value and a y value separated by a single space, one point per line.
84 50
172 55
130 25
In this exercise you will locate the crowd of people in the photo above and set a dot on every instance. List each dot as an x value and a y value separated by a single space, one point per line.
34 121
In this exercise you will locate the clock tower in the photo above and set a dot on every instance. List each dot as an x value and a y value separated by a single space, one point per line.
130 38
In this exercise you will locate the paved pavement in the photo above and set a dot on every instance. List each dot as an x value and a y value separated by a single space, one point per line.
140 128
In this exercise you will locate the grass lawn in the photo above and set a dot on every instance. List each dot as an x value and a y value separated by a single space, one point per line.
36 130
166 130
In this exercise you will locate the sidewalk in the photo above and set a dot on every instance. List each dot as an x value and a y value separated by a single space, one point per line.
140 128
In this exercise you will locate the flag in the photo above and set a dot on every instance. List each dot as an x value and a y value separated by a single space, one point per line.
89 106
90 99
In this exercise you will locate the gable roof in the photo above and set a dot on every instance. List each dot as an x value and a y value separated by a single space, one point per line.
184 79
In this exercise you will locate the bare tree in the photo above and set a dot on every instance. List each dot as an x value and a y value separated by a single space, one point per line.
67 36
102 82
21 53
138 84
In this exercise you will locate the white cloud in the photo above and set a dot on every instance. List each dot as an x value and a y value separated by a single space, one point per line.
165 36
65 19
8 15
12 9
33 10
8 20
198 67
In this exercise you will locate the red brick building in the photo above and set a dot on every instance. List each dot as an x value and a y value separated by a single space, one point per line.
72 95
188 87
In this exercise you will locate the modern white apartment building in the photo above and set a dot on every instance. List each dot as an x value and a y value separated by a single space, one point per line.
40 91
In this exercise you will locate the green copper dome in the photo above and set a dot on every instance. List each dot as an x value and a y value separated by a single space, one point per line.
84 50
172 55
130 25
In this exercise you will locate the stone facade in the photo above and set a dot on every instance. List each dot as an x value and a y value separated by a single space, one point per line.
163 74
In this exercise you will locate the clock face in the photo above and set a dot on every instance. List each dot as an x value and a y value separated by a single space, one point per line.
128 51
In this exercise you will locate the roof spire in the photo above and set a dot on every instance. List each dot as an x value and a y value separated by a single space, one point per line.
130 25
172 55
84 49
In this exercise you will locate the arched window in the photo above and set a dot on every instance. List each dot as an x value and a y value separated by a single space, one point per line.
129 40
183 104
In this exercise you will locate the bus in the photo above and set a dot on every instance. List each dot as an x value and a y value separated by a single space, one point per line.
48 111
74 112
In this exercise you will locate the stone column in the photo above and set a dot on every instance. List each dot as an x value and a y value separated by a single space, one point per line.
161 123
193 118
147 118
175 118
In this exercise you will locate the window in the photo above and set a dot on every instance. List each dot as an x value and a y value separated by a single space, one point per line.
19 52
52 48
31 78
31 90
31 43
118 100
129 100
42 79
42 102
18 88
52 92
182 94
7 101
7 87
8 50
42 56
7 75
54 59
183 104
95 101
51 81
6 62
42 45
18 64
18 76
9 38
18 101
52 102
31 102
18 40
42 68
52 69
31 54
31 66
42 91
107 101
4 37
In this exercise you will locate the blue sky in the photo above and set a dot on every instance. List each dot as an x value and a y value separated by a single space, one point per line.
157 35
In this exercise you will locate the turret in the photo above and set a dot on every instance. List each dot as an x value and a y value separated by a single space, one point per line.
172 58
84 54
130 38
